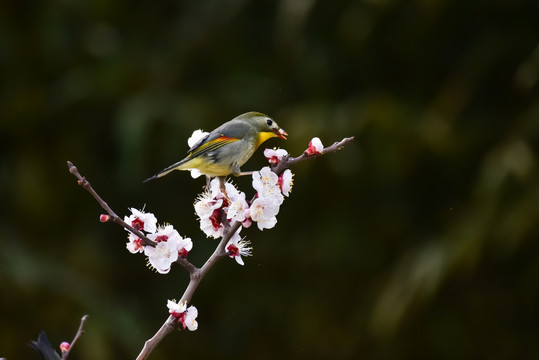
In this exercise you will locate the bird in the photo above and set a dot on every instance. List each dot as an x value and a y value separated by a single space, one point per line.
224 150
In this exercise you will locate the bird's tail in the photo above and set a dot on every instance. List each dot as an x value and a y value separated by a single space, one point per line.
176 166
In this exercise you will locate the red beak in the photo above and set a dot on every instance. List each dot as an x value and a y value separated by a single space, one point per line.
281 133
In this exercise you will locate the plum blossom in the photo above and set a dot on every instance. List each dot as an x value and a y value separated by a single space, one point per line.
184 246
265 182
186 316
189 319
315 147
162 256
170 245
176 308
208 210
237 208
135 244
274 156
263 210
286 180
237 247
212 203
270 189
216 191
141 221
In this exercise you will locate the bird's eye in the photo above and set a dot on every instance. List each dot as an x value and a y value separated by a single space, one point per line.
269 122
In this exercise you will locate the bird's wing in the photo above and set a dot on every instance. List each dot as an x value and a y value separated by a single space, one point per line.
225 134
211 145
232 129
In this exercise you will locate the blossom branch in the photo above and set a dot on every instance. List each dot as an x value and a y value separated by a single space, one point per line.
288 161
195 278
113 217
229 230
196 275
82 181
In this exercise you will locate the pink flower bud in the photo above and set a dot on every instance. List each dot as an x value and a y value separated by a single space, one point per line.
104 218
64 347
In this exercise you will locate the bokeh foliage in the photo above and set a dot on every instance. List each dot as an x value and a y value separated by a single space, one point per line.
419 240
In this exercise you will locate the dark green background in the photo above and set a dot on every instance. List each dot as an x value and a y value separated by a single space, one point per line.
417 241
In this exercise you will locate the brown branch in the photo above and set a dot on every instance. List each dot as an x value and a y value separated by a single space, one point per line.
171 322
288 161
195 278
115 218
196 274
186 264
65 354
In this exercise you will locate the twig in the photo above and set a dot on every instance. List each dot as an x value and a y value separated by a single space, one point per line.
288 161
113 217
77 335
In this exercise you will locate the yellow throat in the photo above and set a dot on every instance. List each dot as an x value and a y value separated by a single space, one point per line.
263 136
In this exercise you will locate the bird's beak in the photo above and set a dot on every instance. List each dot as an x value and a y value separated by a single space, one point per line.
281 133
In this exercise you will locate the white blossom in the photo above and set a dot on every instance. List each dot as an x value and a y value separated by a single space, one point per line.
186 316
189 320
264 210
170 245
315 146
135 244
286 180
266 183
274 156
141 221
238 247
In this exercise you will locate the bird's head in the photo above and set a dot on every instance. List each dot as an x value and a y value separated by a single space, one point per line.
265 126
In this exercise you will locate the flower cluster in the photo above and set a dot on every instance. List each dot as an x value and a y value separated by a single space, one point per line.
214 206
269 197
169 244
222 204
214 203
185 316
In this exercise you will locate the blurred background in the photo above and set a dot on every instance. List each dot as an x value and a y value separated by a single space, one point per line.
418 240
